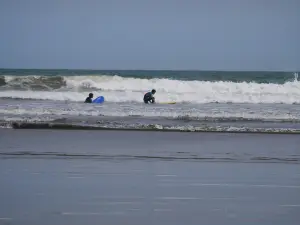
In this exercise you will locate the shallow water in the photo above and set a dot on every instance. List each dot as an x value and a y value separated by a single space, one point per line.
184 116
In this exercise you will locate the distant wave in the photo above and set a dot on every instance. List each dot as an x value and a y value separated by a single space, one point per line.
233 76
120 89
34 83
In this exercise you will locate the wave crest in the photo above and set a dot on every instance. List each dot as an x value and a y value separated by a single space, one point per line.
121 89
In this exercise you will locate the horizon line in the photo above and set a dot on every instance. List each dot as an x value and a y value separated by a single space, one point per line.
179 70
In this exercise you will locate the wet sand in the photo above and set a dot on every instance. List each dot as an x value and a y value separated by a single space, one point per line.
117 177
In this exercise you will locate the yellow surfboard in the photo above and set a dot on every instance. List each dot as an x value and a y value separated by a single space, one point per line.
167 103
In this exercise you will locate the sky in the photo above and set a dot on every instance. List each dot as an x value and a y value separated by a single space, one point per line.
150 34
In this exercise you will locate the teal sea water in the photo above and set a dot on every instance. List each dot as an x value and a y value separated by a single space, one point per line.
205 100
234 76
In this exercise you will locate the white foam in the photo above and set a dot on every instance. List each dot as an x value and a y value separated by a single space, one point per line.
47 112
120 89
34 114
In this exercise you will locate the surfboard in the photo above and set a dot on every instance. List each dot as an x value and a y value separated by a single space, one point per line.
167 103
98 100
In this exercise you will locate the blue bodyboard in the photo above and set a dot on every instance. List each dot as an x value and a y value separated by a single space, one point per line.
99 99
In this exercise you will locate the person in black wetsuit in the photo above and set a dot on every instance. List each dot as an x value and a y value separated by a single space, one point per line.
148 97
89 99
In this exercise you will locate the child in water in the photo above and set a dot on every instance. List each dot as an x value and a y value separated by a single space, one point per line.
148 97
89 99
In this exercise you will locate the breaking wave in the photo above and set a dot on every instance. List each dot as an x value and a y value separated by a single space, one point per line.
121 89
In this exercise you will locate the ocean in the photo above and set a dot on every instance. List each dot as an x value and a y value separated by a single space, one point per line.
226 153
229 101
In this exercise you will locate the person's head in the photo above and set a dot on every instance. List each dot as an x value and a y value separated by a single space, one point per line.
91 95
153 91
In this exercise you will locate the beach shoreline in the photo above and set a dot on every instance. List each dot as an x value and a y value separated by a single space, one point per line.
149 128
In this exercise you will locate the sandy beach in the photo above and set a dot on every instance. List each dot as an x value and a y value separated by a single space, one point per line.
117 177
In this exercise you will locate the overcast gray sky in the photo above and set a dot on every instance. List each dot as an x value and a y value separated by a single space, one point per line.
150 34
